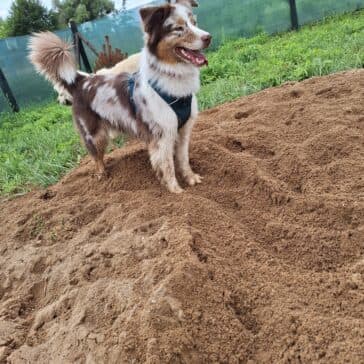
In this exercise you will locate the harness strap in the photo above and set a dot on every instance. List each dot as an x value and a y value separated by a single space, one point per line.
180 105
131 86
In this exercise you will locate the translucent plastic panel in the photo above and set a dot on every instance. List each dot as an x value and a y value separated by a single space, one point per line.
235 18
28 87
310 10
123 29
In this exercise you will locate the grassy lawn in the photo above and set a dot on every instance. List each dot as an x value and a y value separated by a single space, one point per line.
39 144
245 66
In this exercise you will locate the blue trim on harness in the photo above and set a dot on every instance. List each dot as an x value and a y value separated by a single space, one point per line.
180 105
131 85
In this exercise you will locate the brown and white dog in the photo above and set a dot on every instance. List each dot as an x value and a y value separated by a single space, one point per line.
107 105
129 65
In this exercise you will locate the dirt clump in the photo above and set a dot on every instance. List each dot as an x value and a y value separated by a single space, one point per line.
262 263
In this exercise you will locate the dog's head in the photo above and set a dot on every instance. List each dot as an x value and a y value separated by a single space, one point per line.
172 34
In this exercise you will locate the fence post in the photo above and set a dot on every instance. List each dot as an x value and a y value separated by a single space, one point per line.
74 31
294 15
79 47
7 92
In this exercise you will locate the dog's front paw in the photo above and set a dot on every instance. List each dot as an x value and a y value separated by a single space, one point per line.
193 179
175 188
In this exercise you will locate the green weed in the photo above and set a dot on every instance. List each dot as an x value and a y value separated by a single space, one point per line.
37 227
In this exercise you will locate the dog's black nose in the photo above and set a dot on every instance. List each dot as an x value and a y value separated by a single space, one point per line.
207 39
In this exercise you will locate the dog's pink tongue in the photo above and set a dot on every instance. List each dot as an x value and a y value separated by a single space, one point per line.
195 57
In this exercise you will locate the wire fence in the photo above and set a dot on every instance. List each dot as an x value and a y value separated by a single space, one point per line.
226 19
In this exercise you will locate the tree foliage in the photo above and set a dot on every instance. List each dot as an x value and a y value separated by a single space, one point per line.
82 10
3 32
27 16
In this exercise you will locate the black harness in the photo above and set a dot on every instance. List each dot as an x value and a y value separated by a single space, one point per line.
180 105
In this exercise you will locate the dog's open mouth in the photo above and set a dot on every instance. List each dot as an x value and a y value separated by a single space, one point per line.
192 56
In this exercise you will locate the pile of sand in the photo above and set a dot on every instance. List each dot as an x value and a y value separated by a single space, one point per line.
263 263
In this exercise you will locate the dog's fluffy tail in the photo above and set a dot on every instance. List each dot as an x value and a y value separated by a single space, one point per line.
53 58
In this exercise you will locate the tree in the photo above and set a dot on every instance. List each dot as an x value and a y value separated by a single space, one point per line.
3 32
82 10
27 16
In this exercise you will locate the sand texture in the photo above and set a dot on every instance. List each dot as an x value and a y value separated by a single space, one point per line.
262 263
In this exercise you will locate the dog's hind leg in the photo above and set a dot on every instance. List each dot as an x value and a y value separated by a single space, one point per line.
95 143
182 154
101 140
161 153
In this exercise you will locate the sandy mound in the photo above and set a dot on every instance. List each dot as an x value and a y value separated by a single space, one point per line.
264 262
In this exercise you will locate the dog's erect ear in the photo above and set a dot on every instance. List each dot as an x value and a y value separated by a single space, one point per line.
189 3
154 17
153 20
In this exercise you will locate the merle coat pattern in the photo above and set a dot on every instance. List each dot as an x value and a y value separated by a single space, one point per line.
102 108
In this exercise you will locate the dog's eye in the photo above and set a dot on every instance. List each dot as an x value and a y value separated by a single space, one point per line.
179 29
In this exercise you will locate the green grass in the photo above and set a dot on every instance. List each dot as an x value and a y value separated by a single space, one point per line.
245 66
39 144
